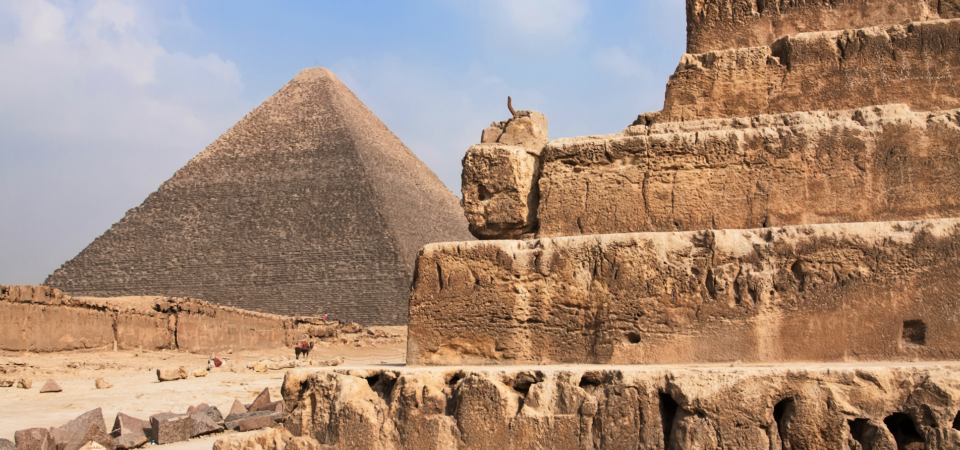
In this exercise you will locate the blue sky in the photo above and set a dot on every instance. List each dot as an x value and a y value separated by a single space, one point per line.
103 100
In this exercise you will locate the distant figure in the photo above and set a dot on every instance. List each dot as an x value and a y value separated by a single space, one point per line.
303 346
325 317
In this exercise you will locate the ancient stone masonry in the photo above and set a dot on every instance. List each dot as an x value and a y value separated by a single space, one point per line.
725 24
309 205
42 319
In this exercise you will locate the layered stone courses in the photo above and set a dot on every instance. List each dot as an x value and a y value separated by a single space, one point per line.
839 292
309 205
41 319
917 64
725 24
870 164
619 407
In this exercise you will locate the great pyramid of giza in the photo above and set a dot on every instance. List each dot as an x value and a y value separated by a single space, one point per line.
308 205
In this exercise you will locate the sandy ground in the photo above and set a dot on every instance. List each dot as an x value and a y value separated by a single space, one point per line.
136 390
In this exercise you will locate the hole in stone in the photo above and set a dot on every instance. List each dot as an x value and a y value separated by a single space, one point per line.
483 193
372 381
633 337
523 382
711 284
782 412
668 411
904 432
857 428
914 332
590 379
797 270
454 379
956 421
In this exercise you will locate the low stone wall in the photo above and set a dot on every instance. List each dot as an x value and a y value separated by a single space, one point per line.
725 24
43 319
865 165
916 64
540 407
843 292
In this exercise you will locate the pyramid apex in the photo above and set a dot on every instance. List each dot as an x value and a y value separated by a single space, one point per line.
314 74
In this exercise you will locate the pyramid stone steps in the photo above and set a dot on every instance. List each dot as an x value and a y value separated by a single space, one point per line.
865 165
725 24
884 291
917 64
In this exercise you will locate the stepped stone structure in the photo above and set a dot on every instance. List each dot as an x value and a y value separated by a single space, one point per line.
309 205
770 262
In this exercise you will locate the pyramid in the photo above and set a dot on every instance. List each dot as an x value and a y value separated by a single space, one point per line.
309 205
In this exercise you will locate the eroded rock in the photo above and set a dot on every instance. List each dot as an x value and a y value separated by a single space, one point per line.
500 191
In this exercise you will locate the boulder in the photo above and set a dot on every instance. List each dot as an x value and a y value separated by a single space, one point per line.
170 427
213 413
25 383
500 190
34 439
260 367
200 373
87 434
51 386
102 384
171 374
130 432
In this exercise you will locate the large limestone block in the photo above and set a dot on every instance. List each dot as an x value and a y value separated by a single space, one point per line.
526 129
844 406
916 64
500 191
845 292
865 165
725 24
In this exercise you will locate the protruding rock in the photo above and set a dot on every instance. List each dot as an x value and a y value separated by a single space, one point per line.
130 432
237 408
500 191
25 383
170 427
77 432
34 439
102 384
526 129
51 386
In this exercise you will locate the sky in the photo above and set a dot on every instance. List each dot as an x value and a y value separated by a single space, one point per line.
101 101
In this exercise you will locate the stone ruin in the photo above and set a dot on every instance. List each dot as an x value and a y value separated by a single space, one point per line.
307 206
770 262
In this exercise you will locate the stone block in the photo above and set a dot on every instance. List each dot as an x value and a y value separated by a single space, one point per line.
6 444
170 427
50 386
171 374
263 399
864 165
500 191
251 420
34 439
130 432
76 432
90 433
692 297
527 129
203 424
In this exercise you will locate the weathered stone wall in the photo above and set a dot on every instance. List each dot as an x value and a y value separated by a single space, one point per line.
916 64
883 291
725 24
547 407
871 164
42 319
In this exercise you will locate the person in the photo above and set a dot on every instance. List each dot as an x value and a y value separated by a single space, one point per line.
325 317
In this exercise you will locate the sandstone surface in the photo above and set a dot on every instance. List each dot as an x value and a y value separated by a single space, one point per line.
615 407
308 205
724 24
864 165
883 291
916 64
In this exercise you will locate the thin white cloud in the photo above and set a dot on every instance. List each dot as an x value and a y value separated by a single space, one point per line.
92 104
614 60
526 27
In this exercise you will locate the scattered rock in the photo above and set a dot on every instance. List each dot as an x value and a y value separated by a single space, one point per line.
200 373
7 382
253 420
204 423
102 384
171 374
351 328
130 432
51 386
195 409
260 367
237 408
169 427
88 427
5 444
90 433
25 383
263 399
338 361
34 439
